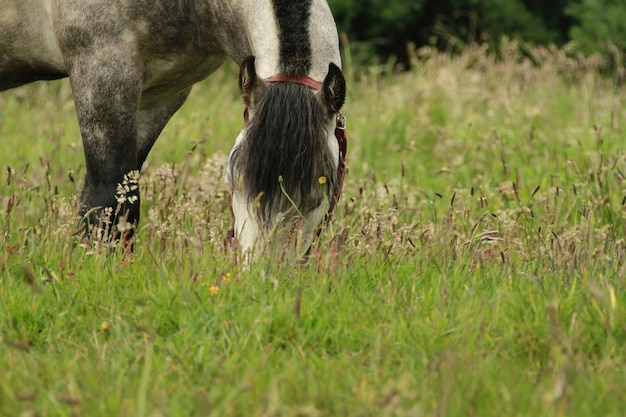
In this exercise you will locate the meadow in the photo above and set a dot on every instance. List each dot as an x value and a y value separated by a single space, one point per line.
475 265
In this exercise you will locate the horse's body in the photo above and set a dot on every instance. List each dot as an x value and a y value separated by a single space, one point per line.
131 65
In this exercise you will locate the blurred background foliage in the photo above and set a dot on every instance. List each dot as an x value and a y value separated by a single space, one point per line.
381 30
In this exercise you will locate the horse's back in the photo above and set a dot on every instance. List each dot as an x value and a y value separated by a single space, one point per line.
43 40
28 47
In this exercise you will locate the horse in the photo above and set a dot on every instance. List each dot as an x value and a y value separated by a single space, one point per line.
132 63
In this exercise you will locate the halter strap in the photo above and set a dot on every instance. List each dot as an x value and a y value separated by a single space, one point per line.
295 78
342 140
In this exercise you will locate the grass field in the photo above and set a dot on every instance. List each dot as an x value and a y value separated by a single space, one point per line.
474 267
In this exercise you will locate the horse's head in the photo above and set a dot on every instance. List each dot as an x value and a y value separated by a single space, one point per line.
286 166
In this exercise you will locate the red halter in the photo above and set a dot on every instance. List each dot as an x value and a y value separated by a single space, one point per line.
295 78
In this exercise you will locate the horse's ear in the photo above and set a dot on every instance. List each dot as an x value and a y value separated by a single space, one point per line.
334 89
249 81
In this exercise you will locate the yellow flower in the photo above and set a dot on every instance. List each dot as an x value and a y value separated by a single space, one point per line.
226 277
214 289
104 326
322 180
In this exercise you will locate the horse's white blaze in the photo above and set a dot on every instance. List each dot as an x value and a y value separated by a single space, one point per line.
246 228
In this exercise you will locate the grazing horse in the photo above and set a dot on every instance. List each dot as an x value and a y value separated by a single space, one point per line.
131 65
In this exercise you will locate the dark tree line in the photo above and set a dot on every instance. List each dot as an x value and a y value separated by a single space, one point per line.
383 28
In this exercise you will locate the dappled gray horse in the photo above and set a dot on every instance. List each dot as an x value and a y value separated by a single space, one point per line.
131 65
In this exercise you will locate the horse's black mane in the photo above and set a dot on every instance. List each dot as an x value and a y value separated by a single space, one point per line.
286 139
292 18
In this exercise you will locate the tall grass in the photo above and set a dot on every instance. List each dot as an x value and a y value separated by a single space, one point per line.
474 266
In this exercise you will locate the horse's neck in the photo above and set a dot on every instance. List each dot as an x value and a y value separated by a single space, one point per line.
252 28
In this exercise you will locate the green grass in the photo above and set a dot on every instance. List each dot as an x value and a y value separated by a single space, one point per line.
475 264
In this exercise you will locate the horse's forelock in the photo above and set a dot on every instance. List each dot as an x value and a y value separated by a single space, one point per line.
288 139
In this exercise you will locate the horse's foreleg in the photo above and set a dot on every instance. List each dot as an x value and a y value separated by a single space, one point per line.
151 122
107 89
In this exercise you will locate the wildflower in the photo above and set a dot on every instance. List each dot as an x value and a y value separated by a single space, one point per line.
321 180
226 277
130 183
214 289
104 326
